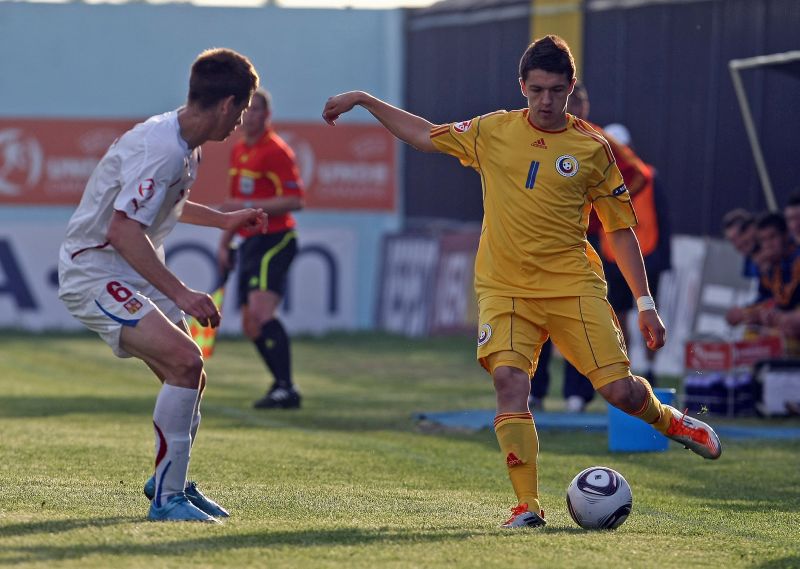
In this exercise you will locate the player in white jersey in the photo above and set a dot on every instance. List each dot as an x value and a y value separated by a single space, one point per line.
112 275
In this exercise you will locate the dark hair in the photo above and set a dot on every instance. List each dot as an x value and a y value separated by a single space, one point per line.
551 54
794 198
740 218
772 219
219 73
265 97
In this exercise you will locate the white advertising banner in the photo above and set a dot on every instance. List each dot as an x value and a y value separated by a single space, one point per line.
321 291
29 276
321 295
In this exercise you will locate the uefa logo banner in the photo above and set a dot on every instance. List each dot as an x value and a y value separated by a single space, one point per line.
21 161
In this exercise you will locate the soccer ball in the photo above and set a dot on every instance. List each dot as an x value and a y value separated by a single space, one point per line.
599 498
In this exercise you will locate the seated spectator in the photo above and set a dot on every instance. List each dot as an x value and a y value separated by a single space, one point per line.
787 325
778 273
738 227
792 214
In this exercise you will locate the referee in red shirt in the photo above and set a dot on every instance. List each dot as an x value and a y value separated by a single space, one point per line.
264 174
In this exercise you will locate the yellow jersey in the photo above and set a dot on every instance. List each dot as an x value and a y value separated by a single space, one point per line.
538 187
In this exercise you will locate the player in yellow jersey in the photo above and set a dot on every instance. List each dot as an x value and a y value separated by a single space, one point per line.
536 276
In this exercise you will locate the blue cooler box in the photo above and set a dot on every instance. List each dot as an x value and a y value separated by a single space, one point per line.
629 434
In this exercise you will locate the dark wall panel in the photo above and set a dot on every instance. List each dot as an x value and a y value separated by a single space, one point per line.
456 72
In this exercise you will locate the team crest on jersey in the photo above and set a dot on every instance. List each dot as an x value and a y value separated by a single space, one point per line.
484 333
567 165
462 126
133 305
147 188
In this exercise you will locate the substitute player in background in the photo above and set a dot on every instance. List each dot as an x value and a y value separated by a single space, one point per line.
264 174
542 172
112 275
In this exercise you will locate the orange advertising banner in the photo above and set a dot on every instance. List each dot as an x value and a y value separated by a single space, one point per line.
48 161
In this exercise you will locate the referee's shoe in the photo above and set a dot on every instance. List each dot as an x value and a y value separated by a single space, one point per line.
279 398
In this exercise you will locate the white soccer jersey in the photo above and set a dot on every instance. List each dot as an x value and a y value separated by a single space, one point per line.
146 174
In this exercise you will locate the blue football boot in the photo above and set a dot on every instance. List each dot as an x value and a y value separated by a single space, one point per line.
194 495
205 503
150 488
179 509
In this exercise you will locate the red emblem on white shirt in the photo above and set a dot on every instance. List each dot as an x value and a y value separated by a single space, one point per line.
147 188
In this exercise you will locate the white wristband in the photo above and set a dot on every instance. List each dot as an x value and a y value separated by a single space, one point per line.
645 303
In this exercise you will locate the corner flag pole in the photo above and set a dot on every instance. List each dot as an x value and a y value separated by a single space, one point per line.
206 336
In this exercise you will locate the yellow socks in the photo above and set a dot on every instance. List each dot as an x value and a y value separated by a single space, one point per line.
652 410
519 444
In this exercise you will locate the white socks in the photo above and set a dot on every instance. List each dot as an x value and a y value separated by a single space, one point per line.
173 417
196 417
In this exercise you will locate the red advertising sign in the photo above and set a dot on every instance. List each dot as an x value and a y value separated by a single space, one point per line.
48 161
724 356
748 352
708 356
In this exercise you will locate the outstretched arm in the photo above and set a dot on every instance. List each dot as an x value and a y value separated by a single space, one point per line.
409 128
626 251
199 214
271 206
230 222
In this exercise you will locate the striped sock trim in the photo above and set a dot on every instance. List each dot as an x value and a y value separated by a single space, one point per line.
648 401
502 417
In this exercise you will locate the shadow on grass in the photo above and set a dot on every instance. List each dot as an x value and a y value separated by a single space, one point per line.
792 561
322 415
49 406
226 412
60 526
214 543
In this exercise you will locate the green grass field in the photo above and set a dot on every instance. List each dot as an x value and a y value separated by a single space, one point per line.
349 480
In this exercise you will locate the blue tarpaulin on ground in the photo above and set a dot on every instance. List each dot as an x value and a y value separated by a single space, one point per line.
476 419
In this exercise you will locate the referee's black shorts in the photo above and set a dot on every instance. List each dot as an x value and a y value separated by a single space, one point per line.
264 262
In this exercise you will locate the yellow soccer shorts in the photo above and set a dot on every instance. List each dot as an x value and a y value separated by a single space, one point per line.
511 332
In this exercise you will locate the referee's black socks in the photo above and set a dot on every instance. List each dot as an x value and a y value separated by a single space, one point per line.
273 346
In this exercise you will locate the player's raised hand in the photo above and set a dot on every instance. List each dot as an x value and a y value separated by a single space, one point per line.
652 329
340 104
248 218
199 305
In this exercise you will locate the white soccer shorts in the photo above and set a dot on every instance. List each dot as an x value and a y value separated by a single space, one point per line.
105 302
